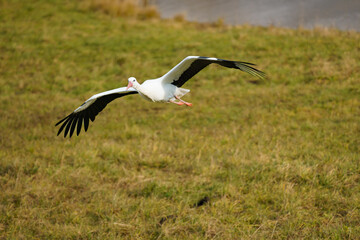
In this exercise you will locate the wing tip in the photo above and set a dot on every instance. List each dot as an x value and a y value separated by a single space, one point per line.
63 119
248 67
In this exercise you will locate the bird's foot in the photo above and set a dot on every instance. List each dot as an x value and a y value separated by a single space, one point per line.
183 102
188 104
177 103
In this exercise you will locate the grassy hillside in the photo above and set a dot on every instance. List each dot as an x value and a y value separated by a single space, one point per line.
250 160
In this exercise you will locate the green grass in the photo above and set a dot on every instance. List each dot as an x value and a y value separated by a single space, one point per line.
277 159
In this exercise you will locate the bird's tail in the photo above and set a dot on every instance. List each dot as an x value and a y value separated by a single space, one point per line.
181 92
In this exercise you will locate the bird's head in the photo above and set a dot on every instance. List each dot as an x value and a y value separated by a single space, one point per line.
132 83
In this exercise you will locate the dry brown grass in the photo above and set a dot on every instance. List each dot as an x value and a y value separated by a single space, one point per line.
180 17
123 8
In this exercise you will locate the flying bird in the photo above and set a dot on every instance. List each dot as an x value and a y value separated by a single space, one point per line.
164 89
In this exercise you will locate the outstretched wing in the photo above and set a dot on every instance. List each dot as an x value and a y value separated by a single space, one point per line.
90 109
191 65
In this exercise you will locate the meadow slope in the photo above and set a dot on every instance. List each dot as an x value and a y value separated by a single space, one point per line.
270 159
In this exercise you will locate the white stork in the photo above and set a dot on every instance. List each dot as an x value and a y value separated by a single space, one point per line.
163 89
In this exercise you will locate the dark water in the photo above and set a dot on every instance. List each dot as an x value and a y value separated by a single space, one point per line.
341 14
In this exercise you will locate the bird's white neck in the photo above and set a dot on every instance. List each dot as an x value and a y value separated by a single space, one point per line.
137 86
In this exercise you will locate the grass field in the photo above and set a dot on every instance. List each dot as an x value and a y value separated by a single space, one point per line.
272 159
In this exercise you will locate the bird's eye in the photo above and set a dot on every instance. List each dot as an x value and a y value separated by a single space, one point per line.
133 80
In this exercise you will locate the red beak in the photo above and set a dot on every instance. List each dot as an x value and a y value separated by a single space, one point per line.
129 85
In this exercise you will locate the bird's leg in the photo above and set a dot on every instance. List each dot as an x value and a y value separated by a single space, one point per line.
183 102
178 103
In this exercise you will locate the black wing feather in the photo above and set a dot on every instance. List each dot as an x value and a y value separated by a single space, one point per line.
73 125
79 123
68 125
76 118
86 121
92 114
195 67
67 117
203 62
64 124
